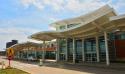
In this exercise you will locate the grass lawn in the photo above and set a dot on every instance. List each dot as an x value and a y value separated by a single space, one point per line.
12 71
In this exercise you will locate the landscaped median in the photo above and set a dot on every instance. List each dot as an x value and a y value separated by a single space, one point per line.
12 71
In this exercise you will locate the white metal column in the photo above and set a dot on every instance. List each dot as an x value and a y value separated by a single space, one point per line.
43 50
74 55
83 51
66 53
57 50
35 54
97 48
18 54
27 54
106 46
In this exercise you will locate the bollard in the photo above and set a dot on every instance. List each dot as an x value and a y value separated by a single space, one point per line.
41 62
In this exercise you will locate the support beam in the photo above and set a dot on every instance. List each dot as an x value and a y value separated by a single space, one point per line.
97 48
83 51
66 57
74 55
98 26
106 47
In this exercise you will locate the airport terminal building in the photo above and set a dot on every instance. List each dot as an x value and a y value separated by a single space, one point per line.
98 36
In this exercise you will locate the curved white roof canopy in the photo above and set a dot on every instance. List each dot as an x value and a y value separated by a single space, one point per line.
26 45
46 35
92 24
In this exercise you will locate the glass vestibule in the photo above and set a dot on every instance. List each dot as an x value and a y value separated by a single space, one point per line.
62 49
70 49
78 49
90 50
102 51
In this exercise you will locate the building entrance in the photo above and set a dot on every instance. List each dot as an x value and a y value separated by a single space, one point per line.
90 50
78 48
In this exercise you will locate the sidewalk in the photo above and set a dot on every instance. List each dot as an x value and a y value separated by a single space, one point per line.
65 68
115 66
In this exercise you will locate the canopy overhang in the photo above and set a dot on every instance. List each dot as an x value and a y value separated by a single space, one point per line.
91 24
26 46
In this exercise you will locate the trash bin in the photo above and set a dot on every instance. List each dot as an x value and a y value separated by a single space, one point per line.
41 62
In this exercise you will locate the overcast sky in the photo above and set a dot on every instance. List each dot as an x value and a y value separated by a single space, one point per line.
21 18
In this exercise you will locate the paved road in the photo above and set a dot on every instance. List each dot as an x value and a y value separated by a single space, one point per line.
53 68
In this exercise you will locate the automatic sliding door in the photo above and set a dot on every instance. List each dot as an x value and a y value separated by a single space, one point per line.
62 49
70 50
78 50
90 50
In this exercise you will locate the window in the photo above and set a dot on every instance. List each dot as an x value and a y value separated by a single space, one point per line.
72 25
123 35
120 35
62 27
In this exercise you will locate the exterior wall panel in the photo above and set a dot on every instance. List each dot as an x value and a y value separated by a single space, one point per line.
120 49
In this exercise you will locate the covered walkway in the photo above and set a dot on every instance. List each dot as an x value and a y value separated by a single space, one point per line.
33 51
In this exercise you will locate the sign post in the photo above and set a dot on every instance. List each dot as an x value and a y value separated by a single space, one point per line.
10 54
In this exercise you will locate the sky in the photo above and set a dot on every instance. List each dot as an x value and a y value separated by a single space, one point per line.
21 18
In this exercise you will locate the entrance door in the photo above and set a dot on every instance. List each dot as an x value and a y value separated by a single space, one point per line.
62 49
62 56
90 50
78 49
91 57
70 50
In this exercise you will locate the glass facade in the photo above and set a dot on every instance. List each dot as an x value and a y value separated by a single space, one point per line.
89 49
117 36
90 52
72 25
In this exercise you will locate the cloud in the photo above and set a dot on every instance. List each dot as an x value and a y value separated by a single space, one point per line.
28 22
120 6
36 3
70 5
21 34
74 6
21 28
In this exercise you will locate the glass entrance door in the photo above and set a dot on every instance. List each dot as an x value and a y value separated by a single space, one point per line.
78 48
70 50
90 50
102 52
62 49
62 56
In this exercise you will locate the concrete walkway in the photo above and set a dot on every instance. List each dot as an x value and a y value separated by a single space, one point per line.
54 68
